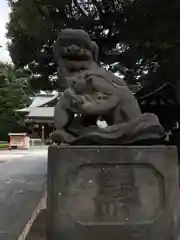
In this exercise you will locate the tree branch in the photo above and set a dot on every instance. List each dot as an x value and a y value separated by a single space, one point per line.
79 8
98 7
41 12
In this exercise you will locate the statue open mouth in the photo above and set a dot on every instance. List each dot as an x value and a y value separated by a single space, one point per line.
78 54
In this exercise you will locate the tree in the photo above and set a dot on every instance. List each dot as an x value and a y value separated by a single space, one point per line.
138 38
14 94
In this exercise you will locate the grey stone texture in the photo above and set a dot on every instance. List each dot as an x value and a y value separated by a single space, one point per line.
91 94
113 192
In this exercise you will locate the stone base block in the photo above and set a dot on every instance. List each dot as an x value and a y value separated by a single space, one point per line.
113 192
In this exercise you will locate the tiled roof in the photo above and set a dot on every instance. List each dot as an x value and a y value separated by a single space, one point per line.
40 100
41 112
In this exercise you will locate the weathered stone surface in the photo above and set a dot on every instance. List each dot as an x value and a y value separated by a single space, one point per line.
38 229
107 192
92 94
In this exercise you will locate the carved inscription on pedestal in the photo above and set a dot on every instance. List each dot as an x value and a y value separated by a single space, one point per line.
115 194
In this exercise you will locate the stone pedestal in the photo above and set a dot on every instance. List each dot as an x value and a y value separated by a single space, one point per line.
113 192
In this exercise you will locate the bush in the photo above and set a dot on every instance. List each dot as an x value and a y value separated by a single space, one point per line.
3 146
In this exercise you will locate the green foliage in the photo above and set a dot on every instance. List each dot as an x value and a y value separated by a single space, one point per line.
141 36
3 146
14 94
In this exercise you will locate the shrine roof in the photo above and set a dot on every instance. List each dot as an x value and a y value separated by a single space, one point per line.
41 112
40 100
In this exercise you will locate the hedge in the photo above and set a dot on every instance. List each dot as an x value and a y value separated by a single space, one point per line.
3 146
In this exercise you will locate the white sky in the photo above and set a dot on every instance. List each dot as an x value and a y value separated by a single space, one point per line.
4 17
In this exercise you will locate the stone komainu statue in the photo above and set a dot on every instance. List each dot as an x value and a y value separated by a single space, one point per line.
93 94
106 192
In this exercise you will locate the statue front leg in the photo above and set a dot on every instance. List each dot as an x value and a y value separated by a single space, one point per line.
62 118
61 136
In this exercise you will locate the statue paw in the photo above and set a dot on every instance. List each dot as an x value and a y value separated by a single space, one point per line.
61 136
